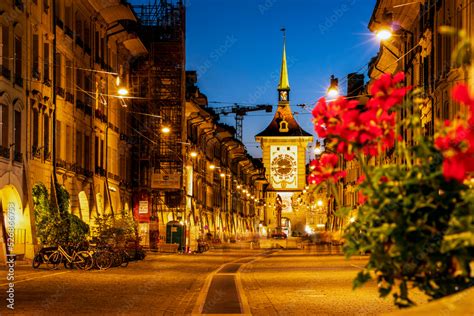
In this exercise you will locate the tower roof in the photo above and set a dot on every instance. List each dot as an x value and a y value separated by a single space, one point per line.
283 123
284 82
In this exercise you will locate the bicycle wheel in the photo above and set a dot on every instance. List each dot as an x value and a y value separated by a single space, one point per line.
116 259
125 258
54 260
68 265
83 260
37 261
103 260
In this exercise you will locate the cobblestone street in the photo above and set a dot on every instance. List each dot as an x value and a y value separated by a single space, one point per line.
305 283
281 283
159 285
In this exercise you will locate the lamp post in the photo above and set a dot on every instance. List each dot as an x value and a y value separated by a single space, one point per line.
333 90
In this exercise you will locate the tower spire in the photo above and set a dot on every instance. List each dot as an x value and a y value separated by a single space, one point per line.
284 83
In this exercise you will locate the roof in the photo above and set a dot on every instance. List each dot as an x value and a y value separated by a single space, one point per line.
284 110
284 82
283 113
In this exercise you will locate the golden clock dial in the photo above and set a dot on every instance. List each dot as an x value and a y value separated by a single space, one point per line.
283 165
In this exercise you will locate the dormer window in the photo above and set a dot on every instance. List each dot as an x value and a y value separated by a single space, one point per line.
283 126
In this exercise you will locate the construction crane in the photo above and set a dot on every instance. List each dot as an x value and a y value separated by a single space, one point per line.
240 111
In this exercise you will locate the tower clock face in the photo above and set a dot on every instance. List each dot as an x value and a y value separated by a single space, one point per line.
283 167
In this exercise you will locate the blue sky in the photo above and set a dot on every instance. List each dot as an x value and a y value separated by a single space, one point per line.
236 47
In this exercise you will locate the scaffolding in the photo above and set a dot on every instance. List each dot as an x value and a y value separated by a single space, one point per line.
159 81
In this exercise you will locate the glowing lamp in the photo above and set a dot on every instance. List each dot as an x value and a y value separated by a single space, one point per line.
165 130
384 34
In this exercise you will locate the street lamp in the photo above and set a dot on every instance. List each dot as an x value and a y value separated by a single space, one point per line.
333 90
384 33
165 130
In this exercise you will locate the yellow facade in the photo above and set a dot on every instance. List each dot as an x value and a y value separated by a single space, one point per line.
58 75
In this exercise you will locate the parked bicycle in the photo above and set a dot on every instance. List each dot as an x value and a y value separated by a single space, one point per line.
81 259
42 256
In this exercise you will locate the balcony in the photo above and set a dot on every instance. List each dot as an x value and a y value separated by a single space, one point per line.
5 72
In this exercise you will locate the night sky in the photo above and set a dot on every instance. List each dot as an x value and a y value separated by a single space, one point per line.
236 47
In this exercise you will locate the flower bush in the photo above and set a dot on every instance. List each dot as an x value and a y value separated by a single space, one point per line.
416 214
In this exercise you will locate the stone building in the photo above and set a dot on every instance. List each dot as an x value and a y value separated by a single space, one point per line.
224 185
62 120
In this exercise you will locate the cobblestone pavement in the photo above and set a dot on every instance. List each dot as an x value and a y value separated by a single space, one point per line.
283 283
159 285
302 283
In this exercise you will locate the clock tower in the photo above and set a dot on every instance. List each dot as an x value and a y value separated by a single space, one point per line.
284 145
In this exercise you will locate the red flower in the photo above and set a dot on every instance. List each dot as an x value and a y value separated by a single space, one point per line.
370 130
361 197
456 140
325 168
462 95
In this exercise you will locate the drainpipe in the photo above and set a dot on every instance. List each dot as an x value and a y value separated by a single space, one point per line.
55 80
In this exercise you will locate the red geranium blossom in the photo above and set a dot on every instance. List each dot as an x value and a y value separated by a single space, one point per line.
369 129
325 168
456 139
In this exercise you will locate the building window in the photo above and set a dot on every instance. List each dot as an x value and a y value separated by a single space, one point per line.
17 132
69 143
101 153
35 129
4 127
58 70
46 62
5 53
87 152
79 154
96 152
18 63
46 5
58 139
79 84
87 37
69 81
35 57
46 128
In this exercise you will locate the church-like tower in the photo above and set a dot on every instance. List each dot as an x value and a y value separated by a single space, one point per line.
284 145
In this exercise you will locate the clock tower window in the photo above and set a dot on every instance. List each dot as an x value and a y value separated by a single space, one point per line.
283 126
